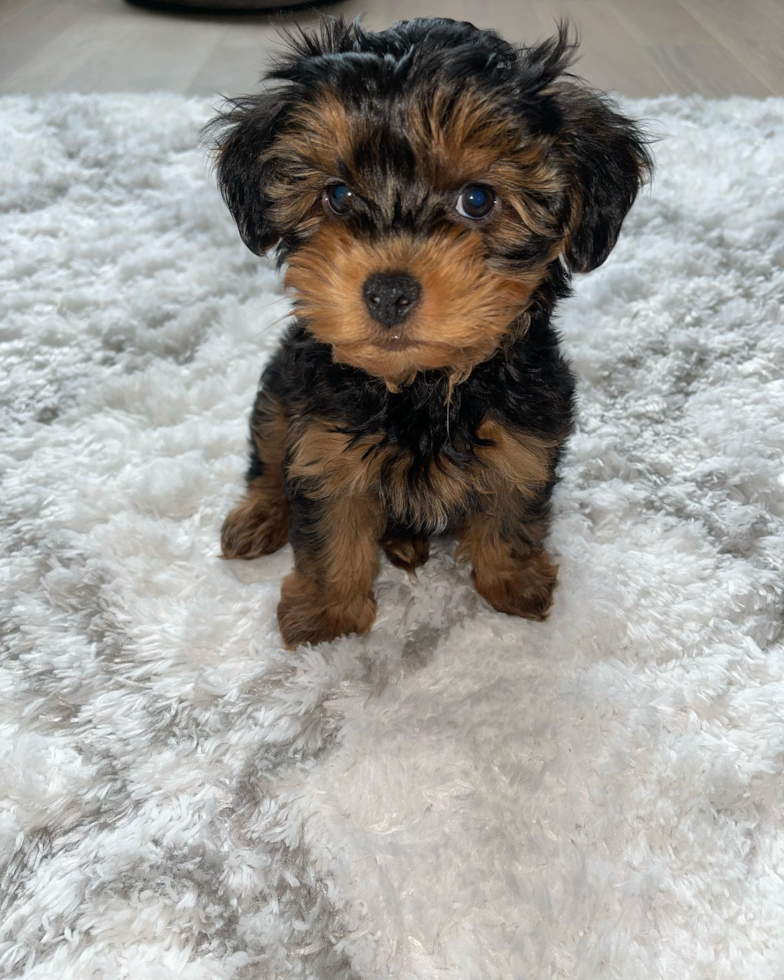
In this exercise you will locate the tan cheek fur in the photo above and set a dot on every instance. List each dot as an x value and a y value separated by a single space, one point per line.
465 310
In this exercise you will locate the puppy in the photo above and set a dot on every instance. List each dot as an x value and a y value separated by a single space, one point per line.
430 189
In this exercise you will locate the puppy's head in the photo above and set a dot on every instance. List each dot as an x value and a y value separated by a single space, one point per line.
422 182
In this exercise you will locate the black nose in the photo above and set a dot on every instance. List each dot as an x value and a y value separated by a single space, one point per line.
390 296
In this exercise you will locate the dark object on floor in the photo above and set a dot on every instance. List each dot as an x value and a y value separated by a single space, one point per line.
223 6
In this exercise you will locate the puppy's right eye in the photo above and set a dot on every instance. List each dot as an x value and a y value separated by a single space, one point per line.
337 198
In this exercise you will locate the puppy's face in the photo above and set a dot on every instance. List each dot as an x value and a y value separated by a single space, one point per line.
420 238
421 183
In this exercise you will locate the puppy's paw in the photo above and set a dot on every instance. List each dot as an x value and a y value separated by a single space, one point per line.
258 526
525 589
306 615
407 551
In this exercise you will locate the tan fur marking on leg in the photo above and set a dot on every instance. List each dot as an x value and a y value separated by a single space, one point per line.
515 458
332 463
259 524
519 583
515 577
329 592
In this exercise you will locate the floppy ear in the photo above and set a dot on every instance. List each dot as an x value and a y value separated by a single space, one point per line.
240 136
609 162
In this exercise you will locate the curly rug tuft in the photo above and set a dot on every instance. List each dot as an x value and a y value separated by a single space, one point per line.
459 795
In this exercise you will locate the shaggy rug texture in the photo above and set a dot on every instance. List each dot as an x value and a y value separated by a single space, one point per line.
458 795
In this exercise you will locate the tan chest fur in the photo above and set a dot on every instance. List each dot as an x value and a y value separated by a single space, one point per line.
332 465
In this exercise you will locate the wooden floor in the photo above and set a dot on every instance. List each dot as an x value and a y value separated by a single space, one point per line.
636 47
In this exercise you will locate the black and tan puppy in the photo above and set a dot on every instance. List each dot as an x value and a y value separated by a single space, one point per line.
430 189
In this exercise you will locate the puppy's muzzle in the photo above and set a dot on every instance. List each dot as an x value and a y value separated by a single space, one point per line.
391 296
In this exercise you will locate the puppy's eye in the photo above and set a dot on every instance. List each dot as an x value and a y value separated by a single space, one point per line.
475 201
337 198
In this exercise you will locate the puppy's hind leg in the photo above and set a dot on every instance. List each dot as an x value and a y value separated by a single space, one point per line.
259 524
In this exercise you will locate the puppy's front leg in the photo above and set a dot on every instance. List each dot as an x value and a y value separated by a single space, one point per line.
329 593
512 571
259 524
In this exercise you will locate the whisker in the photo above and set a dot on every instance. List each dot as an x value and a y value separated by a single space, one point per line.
258 309
274 323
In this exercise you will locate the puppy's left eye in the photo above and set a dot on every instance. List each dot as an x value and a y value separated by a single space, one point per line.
337 198
475 201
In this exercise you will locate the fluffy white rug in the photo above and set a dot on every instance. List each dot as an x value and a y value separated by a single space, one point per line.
459 795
